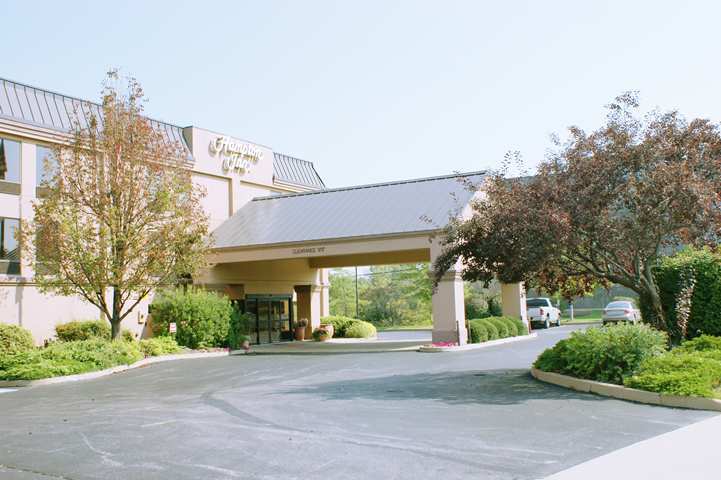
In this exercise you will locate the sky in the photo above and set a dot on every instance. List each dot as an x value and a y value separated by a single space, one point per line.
374 91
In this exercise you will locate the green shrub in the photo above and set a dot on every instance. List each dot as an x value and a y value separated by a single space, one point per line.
502 327
14 339
493 333
346 327
68 358
153 347
700 344
679 373
478 331
521 328
127 336
492 328
706 298
360 329
82 330
202 318
340 324
605 354
239 329
320 334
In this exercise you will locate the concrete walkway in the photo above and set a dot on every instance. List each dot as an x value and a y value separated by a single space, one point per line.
690 453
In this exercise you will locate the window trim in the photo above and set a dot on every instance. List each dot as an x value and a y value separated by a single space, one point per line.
8 183
7 261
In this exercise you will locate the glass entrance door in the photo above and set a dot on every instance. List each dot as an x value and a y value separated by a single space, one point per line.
273 317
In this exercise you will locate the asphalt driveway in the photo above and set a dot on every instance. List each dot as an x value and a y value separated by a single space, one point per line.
476 414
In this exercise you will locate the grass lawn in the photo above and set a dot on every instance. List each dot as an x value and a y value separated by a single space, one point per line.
582 315
594 319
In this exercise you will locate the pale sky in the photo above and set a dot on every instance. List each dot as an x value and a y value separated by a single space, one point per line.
376 91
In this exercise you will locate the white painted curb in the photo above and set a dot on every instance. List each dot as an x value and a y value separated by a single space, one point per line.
110 371
476 346
624 393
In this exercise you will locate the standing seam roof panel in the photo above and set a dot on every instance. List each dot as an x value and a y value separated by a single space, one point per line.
381 209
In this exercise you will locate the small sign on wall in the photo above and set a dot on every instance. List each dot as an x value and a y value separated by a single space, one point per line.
172 328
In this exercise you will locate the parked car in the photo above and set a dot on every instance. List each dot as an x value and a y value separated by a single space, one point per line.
541 310
620 311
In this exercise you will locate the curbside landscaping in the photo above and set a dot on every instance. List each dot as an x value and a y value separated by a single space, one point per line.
624 393
110 371
475 346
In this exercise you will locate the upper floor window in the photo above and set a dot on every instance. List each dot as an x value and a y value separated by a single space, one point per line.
44 163
9 248
9 160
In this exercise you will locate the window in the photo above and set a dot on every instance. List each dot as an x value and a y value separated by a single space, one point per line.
45 163
536 302
9 160
9 249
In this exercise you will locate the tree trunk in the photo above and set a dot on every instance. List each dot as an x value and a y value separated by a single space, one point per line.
651 291
115 321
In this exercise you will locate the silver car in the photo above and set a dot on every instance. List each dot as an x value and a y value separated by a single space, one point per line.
620 311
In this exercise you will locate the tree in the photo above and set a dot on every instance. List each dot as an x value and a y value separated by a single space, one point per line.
120 214
602 208
342 293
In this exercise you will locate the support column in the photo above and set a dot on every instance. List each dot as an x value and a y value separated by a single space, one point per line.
513 301
305 308
449 312
325 293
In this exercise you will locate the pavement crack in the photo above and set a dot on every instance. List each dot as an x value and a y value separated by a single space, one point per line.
34 472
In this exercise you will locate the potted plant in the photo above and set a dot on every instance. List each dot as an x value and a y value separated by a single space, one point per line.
300 327
328 327
245 343
321 335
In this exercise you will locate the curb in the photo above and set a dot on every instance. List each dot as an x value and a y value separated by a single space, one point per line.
109 371
624 393
476 346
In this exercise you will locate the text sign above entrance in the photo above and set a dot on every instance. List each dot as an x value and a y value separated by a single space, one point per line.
237 157
308 250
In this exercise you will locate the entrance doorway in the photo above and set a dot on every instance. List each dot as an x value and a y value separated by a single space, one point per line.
273 318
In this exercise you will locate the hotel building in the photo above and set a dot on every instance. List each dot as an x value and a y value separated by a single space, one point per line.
277 228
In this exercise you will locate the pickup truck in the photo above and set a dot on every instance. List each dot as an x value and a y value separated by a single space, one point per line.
541 310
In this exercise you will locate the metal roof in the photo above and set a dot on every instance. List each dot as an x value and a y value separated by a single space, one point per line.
294 170
56 111
408 206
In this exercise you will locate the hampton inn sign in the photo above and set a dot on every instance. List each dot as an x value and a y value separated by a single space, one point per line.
237 157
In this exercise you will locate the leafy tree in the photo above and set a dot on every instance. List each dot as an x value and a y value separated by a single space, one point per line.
342 293
120 214
604 207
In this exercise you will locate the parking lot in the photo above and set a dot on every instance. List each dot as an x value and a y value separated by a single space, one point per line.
474 414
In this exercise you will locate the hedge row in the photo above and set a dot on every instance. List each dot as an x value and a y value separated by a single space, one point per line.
493 328
704 266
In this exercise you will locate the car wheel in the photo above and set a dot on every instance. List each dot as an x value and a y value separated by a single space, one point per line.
547 324
558 322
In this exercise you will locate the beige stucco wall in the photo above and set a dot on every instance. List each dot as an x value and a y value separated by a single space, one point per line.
226 191
23 304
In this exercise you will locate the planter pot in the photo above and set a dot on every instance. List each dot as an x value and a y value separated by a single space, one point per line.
328 327
299 333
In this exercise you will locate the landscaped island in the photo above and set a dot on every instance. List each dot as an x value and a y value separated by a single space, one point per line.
638 356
